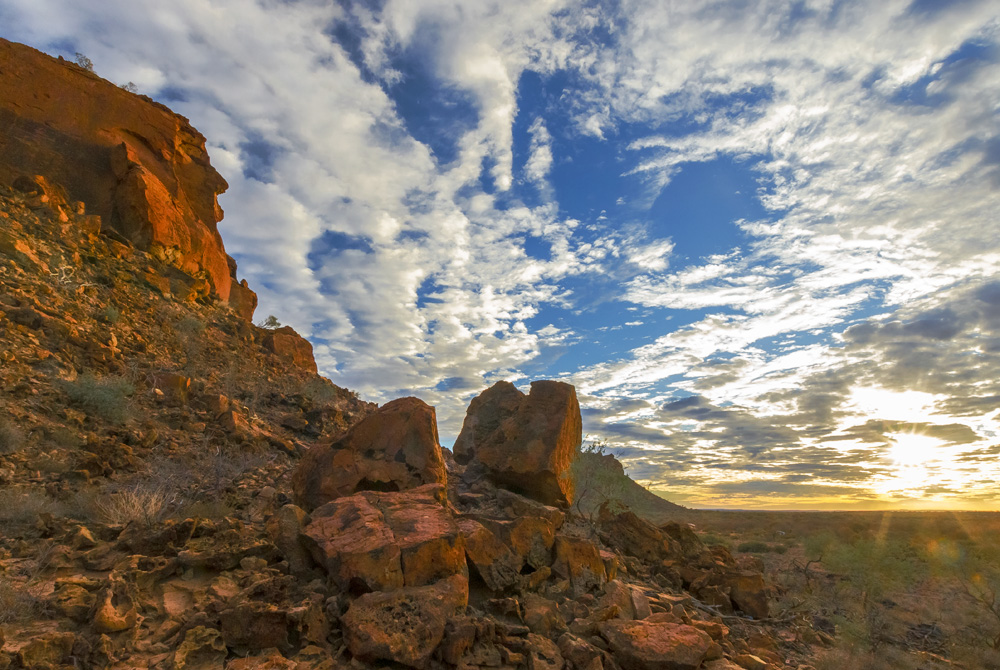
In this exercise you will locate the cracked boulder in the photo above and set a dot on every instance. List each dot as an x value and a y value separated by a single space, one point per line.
383 541
394 449
526 442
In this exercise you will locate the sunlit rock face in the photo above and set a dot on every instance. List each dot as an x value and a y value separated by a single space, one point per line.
140 167
394 449
526 442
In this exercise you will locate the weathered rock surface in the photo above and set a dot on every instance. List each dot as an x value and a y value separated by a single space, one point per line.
632 535
393 449
494 562
579 561
287 344
405 625
383 541
140 167
527 442
645 645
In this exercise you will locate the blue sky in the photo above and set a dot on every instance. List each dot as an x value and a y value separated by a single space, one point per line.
760 238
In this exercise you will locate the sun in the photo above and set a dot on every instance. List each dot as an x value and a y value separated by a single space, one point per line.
911 450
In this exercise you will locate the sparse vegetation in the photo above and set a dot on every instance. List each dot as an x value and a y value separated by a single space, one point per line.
22 507
109 314
17 603
597 477
138 503
105 398
271 322
900 588
11 437
130 87
83 61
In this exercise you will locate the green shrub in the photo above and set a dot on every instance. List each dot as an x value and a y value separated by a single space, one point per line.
109 314
102 398
755 547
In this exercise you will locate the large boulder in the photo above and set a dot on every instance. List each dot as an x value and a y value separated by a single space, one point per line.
647 645
526 442
143 169
404 626
394 449
384 541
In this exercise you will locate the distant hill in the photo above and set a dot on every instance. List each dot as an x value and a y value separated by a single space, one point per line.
602 477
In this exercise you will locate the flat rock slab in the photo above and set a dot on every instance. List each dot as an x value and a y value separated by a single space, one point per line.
645 645
384 541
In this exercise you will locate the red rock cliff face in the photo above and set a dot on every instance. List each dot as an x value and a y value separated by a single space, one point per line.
135 163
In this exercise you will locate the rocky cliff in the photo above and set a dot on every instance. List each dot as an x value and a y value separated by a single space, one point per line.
140 167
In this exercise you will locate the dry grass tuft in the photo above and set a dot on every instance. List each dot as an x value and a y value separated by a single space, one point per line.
136 504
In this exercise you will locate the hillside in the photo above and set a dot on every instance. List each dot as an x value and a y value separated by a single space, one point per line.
181 490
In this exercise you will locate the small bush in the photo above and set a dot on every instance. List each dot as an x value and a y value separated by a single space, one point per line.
17 603
190 326
755 547
11 437
102 398
109 314
84 62
136 503
271 323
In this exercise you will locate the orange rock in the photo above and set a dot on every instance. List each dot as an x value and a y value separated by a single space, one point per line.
242 300
496 564
579 561
633 535
350 538
396 448
526 442
406 625
383 541
430 544
645 645
140 167
174 386
285 343
748 592
530 538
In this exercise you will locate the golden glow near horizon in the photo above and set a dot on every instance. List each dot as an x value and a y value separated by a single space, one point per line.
885 435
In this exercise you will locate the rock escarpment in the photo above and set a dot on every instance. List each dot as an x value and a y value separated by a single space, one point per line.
134 163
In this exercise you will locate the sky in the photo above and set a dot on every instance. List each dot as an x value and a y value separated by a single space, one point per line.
761 238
